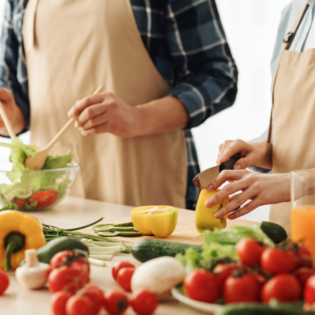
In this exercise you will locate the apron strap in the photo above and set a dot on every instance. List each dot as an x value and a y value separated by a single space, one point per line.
288 38
32 7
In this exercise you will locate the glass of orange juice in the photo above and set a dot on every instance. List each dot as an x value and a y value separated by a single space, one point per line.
303 208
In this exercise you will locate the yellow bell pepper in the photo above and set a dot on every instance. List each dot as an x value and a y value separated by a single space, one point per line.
158 220
204 217
18 232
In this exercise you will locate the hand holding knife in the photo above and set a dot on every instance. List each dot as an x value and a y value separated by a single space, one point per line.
206 177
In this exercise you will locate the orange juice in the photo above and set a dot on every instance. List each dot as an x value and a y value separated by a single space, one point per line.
303 226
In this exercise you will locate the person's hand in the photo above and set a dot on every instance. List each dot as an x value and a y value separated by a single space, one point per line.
13 112
259 189
252 153
105 112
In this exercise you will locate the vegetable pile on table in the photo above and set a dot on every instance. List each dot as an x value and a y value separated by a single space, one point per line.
31 190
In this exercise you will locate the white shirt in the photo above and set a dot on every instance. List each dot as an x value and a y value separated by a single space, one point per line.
310 40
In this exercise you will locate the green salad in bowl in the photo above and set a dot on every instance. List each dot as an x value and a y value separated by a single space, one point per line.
34 190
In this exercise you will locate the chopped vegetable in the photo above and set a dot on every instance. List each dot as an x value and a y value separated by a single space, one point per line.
32 274
204 216
122 229
157 220
18 232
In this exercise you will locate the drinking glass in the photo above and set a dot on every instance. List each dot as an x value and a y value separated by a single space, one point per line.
303 208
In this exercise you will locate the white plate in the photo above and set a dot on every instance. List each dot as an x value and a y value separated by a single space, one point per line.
201 306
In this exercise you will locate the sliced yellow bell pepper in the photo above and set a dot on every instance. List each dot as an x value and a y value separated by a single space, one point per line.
204 217
18 232
158 220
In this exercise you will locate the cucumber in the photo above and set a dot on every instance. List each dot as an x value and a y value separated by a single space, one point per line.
274 231
24 194
46 253
261 309
145 250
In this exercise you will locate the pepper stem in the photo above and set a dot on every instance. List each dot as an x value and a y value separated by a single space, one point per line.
13 243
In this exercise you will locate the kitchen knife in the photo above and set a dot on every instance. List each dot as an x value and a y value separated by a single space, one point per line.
203 179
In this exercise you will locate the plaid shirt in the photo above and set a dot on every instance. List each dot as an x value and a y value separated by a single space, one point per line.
186 42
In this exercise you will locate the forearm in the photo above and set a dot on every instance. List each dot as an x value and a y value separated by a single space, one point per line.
160 116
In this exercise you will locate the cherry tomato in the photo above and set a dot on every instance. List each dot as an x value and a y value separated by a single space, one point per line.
4 281
302 274
223 271
309 291
283 287
120 265
20 202
275 260
67 278
249 250
241 289
304 256
144 302
44 198
58 302
260 278
202 285
115 301
68 257
79 305
124 278
95 294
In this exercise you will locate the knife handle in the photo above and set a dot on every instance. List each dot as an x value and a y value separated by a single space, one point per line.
228 165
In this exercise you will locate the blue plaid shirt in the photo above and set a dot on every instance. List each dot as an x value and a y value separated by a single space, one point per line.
186 42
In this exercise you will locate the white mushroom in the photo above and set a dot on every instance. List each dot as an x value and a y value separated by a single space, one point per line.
32 274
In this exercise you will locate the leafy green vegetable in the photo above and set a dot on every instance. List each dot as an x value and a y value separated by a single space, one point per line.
235 234
8 207
24 183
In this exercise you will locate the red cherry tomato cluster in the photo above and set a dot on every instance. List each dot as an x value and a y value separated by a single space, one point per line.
282 273
43 198
69 272
143 302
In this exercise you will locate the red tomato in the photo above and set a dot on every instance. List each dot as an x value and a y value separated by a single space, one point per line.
67 278
115 301
304 256
309 291
68 257
95 294
275 260
4 281
202 285
144 302
249 250
20 202
58 302
44 198
120 265
241 289
223 271
124 278
260 278
79 305
282 287
302 274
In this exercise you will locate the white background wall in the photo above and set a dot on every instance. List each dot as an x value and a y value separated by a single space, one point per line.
251 30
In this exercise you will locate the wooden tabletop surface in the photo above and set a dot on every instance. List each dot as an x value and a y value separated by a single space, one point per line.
74 212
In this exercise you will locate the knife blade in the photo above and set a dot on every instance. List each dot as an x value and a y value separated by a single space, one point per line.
203 179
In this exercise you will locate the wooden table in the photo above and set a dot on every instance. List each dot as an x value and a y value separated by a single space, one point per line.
74 212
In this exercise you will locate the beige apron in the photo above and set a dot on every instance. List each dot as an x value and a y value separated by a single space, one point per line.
71 48
292 126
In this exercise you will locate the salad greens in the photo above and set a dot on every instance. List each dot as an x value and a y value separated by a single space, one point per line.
220 246
24 184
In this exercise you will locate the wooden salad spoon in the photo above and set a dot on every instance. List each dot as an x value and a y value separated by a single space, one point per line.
7 122
37 162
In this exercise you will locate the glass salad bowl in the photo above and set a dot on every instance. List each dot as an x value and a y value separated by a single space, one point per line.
35 190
